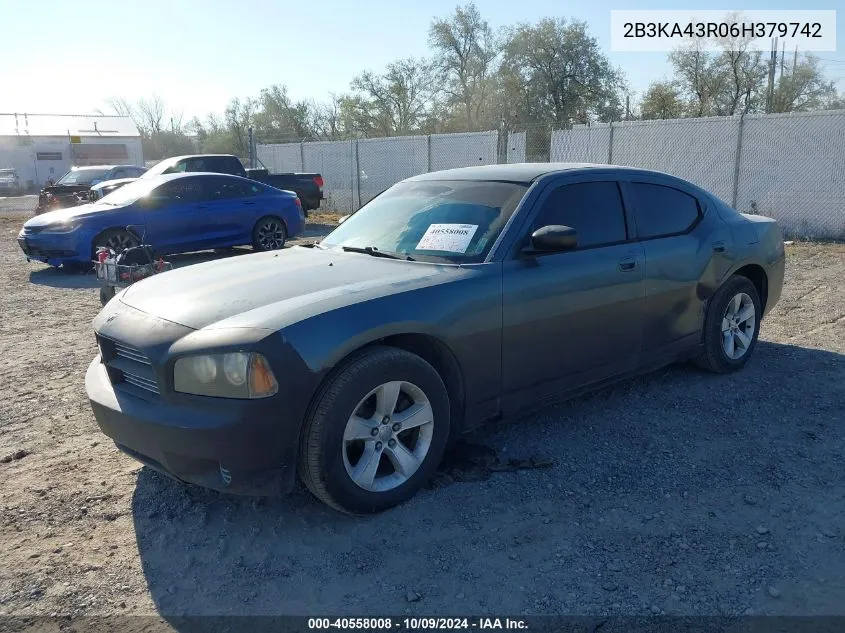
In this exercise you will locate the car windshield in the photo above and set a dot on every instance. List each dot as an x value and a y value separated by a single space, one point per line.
129 193
7 173
433 220
83 176
158 169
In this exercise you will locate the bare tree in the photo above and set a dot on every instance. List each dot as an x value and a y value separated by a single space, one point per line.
325 118
151 114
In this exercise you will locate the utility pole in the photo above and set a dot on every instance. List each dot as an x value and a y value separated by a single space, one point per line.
782 55
627 107
770 89
794 60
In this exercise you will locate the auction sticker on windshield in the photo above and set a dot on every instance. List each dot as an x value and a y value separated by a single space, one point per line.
451 238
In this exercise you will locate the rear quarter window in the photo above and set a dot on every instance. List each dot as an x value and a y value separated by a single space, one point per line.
661 211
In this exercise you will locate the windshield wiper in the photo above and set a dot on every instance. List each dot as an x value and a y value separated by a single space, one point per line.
374 252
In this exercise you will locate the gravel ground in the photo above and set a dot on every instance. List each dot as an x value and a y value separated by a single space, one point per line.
678 492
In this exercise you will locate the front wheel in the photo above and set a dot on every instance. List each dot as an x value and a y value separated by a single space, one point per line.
106 294
269 234
116 239
376 433
731 326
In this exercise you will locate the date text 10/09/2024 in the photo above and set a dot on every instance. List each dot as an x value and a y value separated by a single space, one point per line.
418 624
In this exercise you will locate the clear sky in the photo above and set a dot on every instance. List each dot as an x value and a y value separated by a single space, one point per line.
65 56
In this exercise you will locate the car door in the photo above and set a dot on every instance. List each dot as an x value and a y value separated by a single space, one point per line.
678 251
575 317
232 210
179 220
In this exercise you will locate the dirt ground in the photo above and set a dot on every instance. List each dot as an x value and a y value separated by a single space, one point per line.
678 492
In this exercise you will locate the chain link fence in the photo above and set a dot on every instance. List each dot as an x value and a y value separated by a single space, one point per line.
787 166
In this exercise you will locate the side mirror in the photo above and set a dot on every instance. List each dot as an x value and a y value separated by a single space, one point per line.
343 219
553 238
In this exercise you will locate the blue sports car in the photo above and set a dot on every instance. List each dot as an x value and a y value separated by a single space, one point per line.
175 213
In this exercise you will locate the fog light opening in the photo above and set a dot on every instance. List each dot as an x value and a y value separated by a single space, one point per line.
225 475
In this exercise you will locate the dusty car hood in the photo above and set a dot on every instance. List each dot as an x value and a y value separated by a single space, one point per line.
62 215
268 290
108 183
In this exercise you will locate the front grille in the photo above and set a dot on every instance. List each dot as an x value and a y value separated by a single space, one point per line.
127 351
128 367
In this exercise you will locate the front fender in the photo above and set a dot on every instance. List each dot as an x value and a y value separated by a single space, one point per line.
465 316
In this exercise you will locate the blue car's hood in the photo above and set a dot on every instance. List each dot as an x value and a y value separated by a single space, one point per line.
63 215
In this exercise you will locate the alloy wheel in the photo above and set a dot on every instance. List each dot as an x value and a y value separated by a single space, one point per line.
738 325
271 235
119 241
388 436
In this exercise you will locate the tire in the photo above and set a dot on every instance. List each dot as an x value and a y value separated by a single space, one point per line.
735 297
106 294
269 234
330 455
115 239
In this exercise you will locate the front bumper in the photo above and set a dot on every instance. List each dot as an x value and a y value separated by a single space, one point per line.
52 248
224 447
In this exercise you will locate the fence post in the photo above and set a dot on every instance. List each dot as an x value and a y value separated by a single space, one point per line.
610 146
302 155
357 174
251 150
736 162
428 149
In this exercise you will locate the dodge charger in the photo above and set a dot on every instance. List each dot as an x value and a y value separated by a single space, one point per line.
451 299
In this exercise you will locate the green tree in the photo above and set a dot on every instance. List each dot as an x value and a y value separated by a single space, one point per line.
662 100
465 49
395 103
278 119
700 78
803 88
556 70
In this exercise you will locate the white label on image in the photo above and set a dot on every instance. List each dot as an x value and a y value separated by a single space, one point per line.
452 238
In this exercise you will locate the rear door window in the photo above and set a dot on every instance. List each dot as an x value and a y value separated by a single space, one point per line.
230 188
661 211
183 190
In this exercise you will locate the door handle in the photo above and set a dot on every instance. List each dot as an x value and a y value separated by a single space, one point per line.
201 206
627 264
719 247
247 203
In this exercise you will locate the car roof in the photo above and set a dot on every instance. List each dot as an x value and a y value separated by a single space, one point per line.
178 158
83 167
186 174
519 172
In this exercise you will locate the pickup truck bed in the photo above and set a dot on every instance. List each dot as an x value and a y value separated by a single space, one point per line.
308 186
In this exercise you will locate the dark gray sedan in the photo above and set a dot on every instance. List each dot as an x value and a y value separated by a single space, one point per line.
451 299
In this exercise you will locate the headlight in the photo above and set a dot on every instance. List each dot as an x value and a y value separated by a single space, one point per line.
232 375
61 227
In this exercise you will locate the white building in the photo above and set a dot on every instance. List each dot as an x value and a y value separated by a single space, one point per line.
45 146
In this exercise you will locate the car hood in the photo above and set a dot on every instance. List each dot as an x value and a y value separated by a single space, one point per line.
117 181
273 289
63 215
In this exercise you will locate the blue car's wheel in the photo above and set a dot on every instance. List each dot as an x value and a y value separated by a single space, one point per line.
269 234
115 239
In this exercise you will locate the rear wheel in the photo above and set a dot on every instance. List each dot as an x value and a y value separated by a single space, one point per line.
731 326
376 433
269 234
